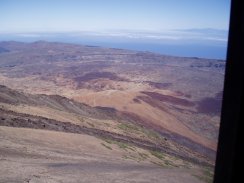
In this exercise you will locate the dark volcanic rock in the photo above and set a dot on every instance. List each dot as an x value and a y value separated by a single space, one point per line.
159 85
210 105
169 99
98 75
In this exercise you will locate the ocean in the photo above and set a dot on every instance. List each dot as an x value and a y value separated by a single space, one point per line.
210 49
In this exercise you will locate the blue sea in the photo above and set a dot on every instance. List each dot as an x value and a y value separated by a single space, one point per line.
187 47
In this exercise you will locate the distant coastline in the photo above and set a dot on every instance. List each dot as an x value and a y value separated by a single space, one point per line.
209 49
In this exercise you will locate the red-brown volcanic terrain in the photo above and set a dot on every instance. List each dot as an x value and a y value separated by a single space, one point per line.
154 103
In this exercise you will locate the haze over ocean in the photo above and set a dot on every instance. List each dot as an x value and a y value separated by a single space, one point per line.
190 28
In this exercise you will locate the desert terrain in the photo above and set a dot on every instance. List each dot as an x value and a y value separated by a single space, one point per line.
73 113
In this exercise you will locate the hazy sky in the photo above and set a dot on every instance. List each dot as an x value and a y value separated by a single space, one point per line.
97 15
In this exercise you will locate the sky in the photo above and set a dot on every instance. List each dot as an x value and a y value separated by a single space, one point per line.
110 15
197 28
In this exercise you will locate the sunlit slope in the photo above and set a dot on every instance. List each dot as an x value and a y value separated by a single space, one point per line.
177 98
31 155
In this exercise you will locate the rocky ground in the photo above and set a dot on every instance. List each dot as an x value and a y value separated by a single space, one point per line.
30 155
72 113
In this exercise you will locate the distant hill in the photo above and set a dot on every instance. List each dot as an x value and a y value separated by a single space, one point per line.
2 50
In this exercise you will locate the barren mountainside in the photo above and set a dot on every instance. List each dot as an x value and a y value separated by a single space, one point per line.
159 110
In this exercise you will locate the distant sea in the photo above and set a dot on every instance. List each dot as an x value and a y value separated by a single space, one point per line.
212 49
187 50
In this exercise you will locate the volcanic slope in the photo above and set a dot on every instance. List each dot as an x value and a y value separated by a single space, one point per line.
32 155
61 114
122 145
135 97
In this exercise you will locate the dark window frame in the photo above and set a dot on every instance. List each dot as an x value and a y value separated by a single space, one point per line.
230 151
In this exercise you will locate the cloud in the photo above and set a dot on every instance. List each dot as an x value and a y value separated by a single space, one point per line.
166 35
29 35
178 35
